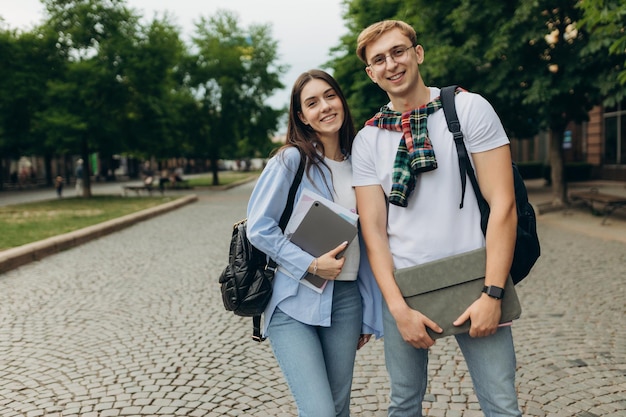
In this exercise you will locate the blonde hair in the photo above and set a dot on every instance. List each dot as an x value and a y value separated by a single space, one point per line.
376 30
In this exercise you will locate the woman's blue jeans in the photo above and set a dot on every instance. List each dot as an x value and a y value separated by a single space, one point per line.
318 362
490 360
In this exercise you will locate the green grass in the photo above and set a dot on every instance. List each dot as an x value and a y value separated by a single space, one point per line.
25 223
224 177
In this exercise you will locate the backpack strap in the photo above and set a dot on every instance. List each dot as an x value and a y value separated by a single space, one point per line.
465 166
284 218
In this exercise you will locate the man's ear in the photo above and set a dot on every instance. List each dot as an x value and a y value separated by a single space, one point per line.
370 74
419 51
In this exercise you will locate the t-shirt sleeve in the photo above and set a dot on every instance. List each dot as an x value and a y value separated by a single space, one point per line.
480 123
363 163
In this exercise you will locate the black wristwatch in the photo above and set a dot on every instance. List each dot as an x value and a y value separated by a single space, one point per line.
494 292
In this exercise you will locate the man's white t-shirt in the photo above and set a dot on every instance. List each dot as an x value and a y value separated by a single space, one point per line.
432 226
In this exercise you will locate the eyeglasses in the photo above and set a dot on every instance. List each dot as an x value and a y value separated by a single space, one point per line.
396 54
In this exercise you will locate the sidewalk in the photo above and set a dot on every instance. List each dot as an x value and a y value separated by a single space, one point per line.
132 324
578 217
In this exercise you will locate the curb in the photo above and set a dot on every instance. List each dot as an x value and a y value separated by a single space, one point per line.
252 177
543 208
35 251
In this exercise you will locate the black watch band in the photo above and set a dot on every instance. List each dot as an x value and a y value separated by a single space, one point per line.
494 292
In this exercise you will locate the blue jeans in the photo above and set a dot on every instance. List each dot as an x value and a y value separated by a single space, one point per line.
490 361
318 362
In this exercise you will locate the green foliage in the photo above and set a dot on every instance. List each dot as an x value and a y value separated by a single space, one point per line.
510 52
542 64
605 21
94 78
155 118
235 72
364 97
28 62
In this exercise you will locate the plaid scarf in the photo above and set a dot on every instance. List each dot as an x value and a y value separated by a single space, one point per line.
415 153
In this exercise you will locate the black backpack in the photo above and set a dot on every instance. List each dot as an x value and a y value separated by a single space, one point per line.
527 249
246 282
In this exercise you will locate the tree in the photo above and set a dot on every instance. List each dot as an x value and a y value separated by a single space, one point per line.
364 97
605 21
233 73
152 76
29 62
542 48
530 59
92 35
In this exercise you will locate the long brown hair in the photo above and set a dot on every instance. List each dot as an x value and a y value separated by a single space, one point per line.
302 136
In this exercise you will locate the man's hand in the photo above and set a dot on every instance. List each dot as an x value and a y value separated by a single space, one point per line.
412 326
484 314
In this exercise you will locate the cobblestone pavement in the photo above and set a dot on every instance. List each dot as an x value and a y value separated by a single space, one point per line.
132 324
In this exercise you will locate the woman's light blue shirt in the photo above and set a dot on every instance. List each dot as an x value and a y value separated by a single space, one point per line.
265 208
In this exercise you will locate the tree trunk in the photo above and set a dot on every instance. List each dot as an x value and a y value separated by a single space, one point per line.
215 169
557 172
48 168
86 169
1 174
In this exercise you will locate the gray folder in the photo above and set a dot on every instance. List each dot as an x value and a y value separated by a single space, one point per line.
443 289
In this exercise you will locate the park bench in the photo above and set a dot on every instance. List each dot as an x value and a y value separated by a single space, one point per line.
609 202
178 185
138 189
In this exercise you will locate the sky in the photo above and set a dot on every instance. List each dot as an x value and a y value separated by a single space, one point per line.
305 30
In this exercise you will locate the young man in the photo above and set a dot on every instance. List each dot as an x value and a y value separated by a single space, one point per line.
408 191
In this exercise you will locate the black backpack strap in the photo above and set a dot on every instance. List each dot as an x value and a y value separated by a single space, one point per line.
465 166
256 329
284 218
292 194
449 109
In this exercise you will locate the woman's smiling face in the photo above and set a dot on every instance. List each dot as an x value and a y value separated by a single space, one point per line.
322 108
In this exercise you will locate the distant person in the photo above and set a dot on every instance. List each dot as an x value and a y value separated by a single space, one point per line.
148 175
164 178
79 177
58 185
178 173
148 181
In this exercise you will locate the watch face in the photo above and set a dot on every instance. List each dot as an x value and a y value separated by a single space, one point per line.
494 291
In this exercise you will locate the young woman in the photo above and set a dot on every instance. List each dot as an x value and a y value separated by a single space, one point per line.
315 335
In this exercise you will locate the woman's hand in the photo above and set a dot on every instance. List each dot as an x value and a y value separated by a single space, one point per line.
328 266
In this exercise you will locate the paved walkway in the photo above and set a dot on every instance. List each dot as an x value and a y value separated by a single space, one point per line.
132 324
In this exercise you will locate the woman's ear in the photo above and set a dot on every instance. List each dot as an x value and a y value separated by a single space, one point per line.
302 118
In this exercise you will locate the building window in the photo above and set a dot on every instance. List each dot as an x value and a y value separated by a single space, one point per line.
615 134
